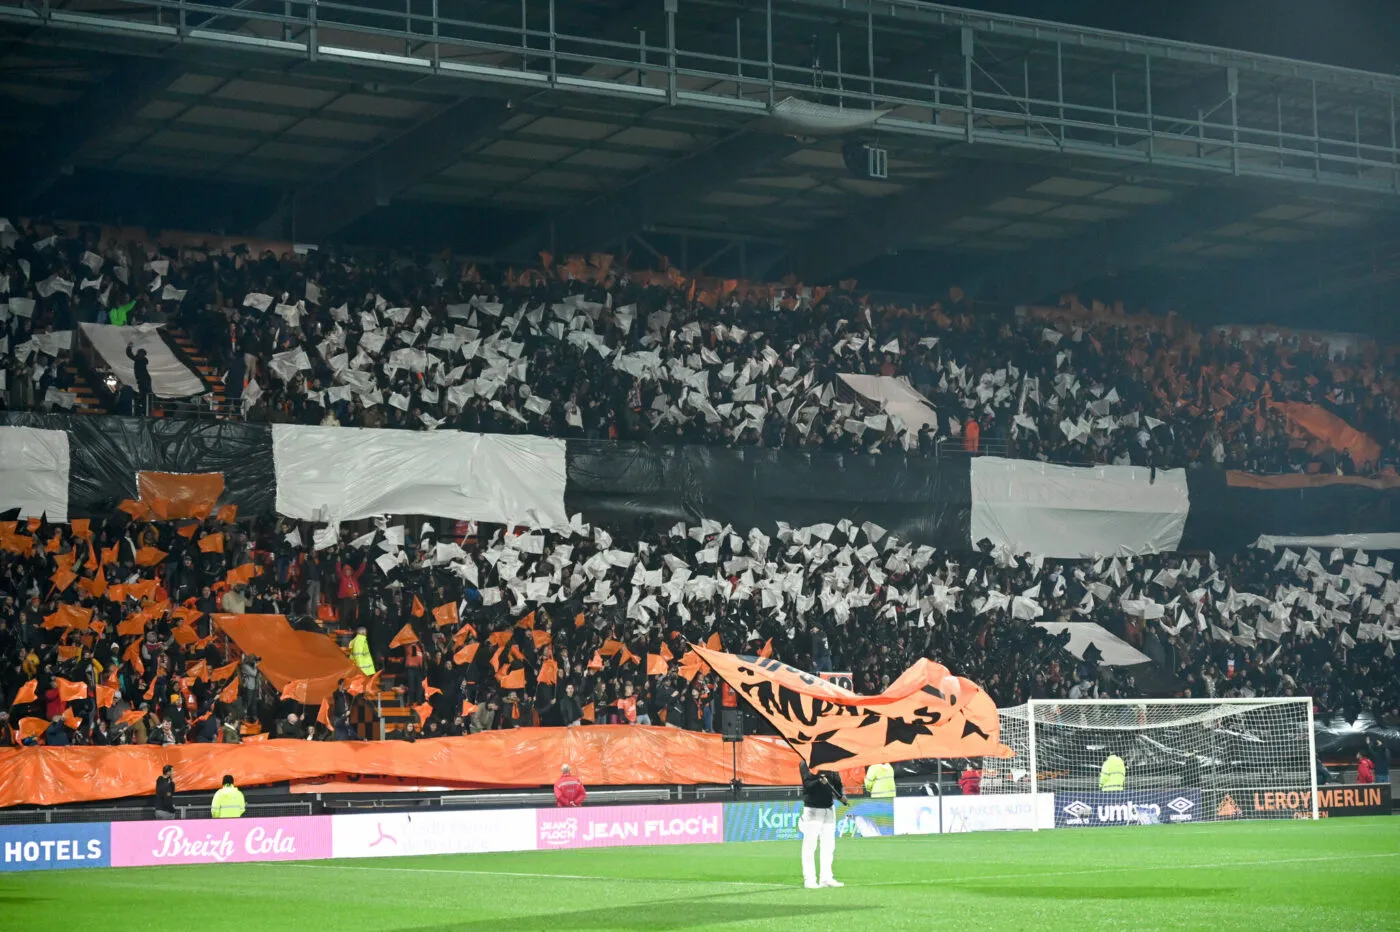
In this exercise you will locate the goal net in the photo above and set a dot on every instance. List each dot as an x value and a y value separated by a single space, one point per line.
1183 760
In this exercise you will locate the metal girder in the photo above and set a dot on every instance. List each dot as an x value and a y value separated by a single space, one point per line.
409 159
895 221
1120 245
31 169
603 222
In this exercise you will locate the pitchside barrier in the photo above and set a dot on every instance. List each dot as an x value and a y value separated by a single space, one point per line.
401 834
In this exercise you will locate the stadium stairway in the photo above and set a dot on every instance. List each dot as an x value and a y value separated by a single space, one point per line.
88 400
386 705
190 354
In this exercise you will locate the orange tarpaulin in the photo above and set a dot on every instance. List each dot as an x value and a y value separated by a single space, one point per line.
604 755
180 495
289 655
69 616
927 712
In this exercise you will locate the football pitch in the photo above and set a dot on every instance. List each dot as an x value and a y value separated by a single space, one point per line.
1339 874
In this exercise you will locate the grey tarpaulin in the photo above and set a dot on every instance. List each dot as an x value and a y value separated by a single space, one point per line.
923 500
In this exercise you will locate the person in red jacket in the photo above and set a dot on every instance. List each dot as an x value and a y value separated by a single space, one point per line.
349 592
568 789
971 781
1365 769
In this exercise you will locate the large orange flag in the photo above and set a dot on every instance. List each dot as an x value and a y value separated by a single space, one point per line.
29 692
405 636
927 712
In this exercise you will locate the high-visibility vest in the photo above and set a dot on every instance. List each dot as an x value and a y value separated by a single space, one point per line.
228 803
359 654
879 781
1113 774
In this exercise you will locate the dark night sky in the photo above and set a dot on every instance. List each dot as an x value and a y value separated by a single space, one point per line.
1361 34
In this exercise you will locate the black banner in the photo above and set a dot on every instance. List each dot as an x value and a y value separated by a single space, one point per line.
923 500
106 453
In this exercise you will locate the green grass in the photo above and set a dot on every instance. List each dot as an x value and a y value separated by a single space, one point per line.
1335 875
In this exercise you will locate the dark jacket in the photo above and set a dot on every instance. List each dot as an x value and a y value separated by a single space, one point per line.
820 790
165 793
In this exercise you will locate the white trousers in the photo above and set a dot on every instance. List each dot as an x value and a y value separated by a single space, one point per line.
817 826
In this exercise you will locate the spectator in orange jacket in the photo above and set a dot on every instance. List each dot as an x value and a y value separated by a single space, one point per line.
568 789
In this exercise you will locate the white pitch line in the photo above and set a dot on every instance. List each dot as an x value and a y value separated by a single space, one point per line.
433 870
1140 868
878 883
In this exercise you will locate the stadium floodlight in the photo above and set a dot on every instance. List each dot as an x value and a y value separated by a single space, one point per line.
1184 760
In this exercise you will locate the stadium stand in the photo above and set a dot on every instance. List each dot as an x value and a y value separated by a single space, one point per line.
584 349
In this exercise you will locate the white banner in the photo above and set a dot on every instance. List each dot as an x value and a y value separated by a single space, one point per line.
34 472
1116 651
337 474
1071 511
398 834
895 396
170 378
919 815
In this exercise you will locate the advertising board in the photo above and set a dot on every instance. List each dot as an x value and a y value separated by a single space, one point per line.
620 826
777 820
220 841
919 815
1130 807
1360 800
397 834
54 847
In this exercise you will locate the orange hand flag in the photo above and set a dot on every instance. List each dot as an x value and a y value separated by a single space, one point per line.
514 679
927 712
230 692
445 614
29 692
405 636
542 638
468 707
578 620
150 692
295 690
549 672
323 715
424 710
241 574
197 669
626 656
228 514
212 543
68 616
69 691
692 666
184 635
467 654
714 642
188 531
528 622
766 650
656 665
149 556
106 696
132 655
418 608
94 588
70 651
431 691
62 578
109 555
466 631
71 720
499 638
597 662
611 646
219 674
82 527
588 714
136 624
666 654
131 717
30 727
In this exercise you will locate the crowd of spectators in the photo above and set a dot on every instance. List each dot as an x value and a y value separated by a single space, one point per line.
586 349
106 635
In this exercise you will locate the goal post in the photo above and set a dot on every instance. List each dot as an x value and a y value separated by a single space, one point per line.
1184 760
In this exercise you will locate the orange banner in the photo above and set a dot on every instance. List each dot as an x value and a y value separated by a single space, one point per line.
180 495
287 655
925 713
1330 432
601 755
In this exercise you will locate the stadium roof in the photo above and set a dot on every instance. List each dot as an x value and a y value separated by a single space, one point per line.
1079 156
